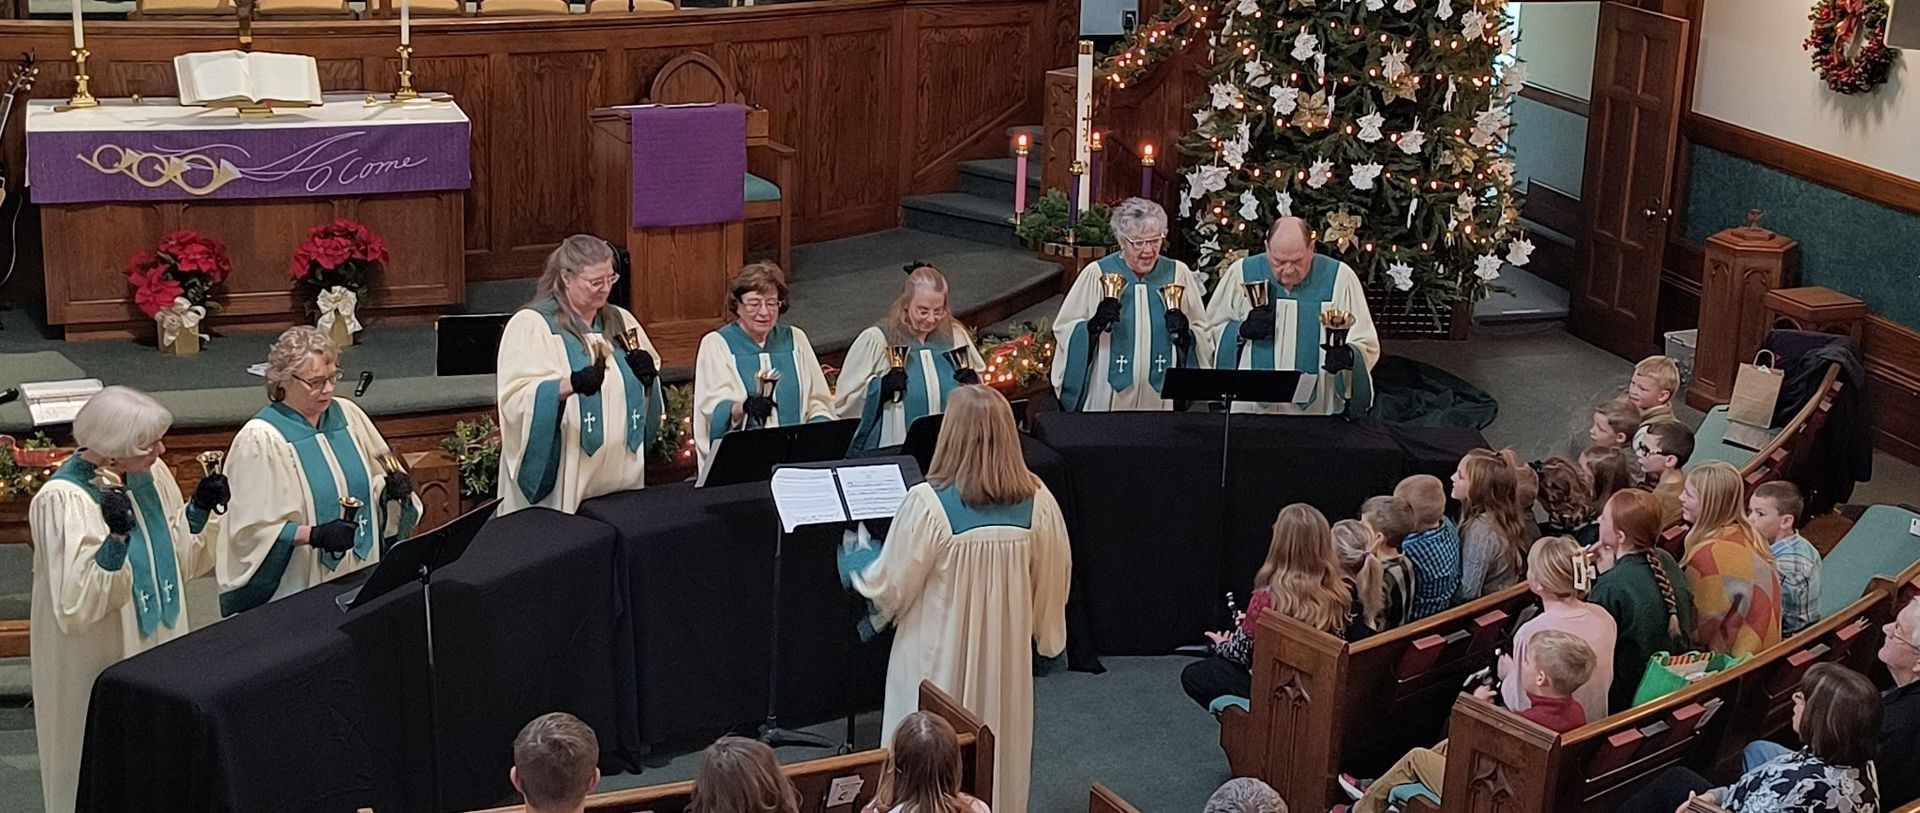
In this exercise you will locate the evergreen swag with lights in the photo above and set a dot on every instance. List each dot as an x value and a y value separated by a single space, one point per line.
1382 122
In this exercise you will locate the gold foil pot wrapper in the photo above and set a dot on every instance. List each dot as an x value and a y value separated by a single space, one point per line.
211 462
1256 293
1113 285
897 357
107 479
1336 319
1171 295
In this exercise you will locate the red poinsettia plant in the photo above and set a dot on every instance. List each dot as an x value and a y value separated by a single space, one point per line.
341 254
186 265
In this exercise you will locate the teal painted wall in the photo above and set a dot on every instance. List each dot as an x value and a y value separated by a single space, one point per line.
1549 144
1850 245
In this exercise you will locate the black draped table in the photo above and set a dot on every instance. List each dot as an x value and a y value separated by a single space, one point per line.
1157 541
296 706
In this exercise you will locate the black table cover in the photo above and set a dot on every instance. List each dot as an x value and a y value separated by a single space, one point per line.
295 706
1157 541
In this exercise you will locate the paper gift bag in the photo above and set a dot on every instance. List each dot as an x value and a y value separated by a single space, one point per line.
1756 389
1667 674
185 343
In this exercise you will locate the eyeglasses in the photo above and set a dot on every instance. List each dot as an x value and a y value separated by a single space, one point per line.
1142 243
318 384
762 305
600 283
1646 451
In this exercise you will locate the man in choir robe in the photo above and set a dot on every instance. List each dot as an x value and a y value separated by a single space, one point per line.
579 387
752 355
1300 287
1116 335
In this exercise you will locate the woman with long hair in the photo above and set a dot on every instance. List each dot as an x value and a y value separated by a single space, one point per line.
738 775
1558 571
578 385
1493 525
973 577
904 368
755 372
923 771
1641 587
1736 592
1300 579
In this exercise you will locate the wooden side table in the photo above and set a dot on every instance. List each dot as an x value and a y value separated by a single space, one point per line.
1822 310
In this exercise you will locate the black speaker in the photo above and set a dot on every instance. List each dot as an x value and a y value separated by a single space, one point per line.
1903 24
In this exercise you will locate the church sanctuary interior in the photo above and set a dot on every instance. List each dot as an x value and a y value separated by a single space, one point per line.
956 406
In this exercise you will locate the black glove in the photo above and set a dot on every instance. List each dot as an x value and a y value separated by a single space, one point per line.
643 368
1103 317
1179 329
1258 326
212 494
893 385
116 507
332 537
758 407
966 377
1336 358
587 380
399 486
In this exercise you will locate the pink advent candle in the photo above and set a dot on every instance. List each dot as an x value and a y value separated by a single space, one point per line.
1020 150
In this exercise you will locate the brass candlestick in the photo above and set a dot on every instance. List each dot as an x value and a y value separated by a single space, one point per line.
406 92
82 97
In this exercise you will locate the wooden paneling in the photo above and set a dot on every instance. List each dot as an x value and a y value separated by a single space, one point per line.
1893 370
1832 171
852 161
466 78
542 136
971 119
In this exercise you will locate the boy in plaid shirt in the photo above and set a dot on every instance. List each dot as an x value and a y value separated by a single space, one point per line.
1774 509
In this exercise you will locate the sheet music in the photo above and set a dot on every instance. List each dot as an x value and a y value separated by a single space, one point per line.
807 497
1303 390
873 492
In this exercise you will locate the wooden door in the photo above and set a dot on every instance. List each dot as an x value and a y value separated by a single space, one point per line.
1632 143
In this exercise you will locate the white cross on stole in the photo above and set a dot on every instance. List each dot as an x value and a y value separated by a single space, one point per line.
633 421
166 591
589 420
1159 364
144 598
1123 361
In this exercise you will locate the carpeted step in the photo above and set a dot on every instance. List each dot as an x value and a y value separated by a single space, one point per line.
968 217
993 178
1530 301
16 678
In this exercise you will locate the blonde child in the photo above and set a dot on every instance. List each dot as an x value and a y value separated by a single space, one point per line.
1433 548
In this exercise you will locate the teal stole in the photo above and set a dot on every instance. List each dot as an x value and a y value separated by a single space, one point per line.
540 461
746 361
1120 348
306 440
962 517
1308 297
915 402
156 571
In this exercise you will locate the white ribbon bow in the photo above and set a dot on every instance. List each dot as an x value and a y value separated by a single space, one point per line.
337 303
180 316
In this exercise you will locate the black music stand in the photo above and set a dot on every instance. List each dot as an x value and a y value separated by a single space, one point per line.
750 455
770 731
922 437
1228 386
416 559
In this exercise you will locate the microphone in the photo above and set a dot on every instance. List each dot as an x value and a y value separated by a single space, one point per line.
366 380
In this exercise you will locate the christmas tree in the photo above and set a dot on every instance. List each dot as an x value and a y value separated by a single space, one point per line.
1383 123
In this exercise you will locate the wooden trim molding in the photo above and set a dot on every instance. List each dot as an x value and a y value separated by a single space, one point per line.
1554 209
1853 178
1557 99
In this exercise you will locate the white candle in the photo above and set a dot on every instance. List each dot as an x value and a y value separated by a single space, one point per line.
1083 121
406 23
79 36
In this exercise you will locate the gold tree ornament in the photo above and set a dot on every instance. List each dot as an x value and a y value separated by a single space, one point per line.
1403 88
1313 112
1342 227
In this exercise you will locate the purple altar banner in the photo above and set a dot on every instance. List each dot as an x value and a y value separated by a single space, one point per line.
201 163
689 165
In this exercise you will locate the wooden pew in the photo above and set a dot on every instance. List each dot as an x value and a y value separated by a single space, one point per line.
1102 799
814 777
1320 704
1497 761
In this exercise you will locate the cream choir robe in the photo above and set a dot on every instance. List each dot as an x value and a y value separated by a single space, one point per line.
727 371
1297 333
286 473
92 611
555 454
972 591
1124 368
930 370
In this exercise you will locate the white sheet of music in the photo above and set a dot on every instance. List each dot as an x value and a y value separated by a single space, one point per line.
873 492
1303 391
806 497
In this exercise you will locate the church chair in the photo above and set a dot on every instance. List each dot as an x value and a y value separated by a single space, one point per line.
515 8
628 6
1102 799
419 8
182 8
694 78
1321 705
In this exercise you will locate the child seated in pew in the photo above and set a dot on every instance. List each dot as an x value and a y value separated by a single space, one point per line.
1651 389
1566 495
1610 470
1493 527
1837 714
1662 451
1389 520
1555 666
1526 488
1736 593
555 763
738 775
1433 548
1614 422
1641 587
1774 509
1351 544
923 770
1559 572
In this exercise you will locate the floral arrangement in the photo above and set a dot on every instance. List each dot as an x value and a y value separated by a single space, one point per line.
1014 360
28 465
1046 221
475 448
1849 44
186 265
332 272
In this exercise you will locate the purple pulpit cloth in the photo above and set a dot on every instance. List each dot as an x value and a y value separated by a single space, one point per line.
689 165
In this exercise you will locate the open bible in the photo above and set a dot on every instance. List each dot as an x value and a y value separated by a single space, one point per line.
212 78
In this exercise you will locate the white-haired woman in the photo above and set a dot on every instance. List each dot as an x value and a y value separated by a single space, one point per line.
933 352
109 567
294 466
974 578
1115 344
579 387
750 355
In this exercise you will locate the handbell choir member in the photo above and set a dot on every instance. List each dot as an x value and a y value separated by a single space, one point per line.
113 548
1291 308
755 372
974 578
1131 316
317 492
902 369
579 387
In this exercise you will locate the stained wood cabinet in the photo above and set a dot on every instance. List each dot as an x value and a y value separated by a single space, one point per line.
1743 264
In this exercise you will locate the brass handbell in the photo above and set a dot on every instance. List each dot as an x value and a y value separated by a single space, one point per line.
1256 293
632 337
768 379
106 479
210 462
1113 285
897 357
1335 319
391 463
960 358
1171 294
350 509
